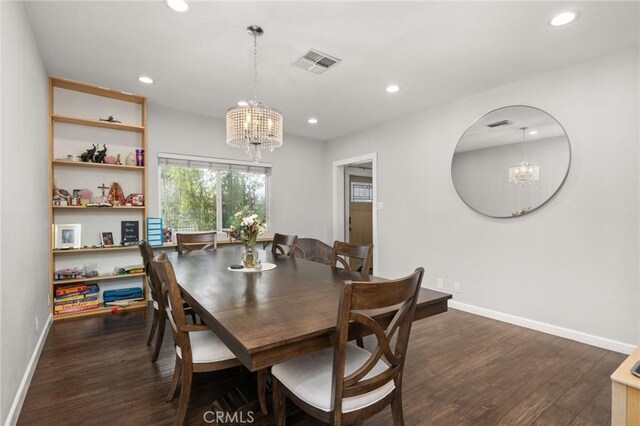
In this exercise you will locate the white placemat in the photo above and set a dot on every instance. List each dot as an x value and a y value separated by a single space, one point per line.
265 267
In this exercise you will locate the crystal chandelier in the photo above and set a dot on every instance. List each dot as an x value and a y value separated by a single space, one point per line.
524 172
254 127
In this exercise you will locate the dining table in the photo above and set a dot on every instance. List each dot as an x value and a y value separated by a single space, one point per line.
270 316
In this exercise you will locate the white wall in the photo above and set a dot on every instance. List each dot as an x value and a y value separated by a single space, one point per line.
298 182
573 263
24 186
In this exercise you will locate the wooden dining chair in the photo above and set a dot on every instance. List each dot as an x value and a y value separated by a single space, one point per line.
313 250
159 314
280 240
203 240
345 253
198 349
346 384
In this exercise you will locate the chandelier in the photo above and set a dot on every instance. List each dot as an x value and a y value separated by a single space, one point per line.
254 127
524 172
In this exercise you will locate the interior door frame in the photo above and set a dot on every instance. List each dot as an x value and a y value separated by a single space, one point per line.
338 192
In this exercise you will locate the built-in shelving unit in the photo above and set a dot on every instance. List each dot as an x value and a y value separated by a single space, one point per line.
69 102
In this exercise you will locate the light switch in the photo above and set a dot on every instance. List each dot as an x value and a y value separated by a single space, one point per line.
380 205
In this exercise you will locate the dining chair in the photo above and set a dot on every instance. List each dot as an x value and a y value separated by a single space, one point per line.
280 240
344 253
198 348
159 314
187 241
313 250
346 384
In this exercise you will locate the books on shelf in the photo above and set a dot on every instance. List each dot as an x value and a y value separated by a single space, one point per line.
76 298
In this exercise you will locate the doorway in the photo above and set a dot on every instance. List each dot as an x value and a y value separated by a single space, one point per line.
355 201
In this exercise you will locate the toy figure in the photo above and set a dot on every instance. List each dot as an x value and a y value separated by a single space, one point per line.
87 157
100 155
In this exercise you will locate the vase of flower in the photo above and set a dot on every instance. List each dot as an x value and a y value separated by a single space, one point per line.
249 257
247 227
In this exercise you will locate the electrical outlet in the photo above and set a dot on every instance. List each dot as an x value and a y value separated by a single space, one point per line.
456 287
49 299
37 325
440 283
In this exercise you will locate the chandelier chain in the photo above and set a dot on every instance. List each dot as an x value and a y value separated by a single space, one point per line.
255 67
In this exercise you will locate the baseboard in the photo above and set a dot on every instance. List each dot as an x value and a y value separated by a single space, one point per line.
578 336
21 394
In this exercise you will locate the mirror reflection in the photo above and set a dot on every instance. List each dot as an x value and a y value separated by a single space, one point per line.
511 161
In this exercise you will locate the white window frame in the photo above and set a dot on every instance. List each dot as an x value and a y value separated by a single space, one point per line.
230 162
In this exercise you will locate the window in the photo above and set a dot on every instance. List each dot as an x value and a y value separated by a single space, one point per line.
203 194
361 192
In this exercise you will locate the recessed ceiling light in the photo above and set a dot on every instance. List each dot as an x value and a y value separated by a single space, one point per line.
564 18
178 5
243 103
533 132
312 120
393 89
144 79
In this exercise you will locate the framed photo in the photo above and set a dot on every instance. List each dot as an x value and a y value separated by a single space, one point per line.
106 238
67 236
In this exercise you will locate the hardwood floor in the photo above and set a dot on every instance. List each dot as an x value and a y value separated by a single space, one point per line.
462 369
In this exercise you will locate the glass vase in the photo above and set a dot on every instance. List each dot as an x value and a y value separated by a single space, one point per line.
249 257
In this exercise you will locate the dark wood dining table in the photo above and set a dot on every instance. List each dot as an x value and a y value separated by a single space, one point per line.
272 316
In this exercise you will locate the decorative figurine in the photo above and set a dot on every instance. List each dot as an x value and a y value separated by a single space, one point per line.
116 195
100 155
130 160
87 157
110 119
118 161
110 159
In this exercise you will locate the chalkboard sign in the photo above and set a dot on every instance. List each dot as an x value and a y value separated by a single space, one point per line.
130 231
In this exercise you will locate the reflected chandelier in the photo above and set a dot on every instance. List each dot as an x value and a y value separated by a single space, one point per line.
254 127
524 172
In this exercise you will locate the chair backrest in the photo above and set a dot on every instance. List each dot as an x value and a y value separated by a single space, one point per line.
314 250
363 296
152 278
185 242
173 304
280 240
342 250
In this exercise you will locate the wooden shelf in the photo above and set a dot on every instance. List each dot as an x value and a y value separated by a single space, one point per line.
96 165
101 310
97 249
137 107
100 208
76 86
96 123
98 278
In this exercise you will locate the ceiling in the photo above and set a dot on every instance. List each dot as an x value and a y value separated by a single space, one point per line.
201 60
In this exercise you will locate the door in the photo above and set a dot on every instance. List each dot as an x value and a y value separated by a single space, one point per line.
360 211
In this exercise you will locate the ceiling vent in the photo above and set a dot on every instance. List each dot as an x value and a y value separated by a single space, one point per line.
316 61
500 124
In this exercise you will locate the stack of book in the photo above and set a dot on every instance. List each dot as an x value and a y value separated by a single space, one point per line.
76 298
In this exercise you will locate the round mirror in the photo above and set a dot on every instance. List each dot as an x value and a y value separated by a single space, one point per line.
511 161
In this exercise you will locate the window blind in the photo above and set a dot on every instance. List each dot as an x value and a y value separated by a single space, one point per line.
198 162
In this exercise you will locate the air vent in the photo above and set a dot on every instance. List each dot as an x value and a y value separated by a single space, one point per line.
316 61
500 123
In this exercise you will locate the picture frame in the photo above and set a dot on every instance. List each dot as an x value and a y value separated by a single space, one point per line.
106 239
67 236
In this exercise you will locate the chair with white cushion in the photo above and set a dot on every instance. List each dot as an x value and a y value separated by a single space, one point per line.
345 384
198 349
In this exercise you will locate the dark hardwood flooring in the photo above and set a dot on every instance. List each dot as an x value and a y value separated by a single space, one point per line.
462 369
